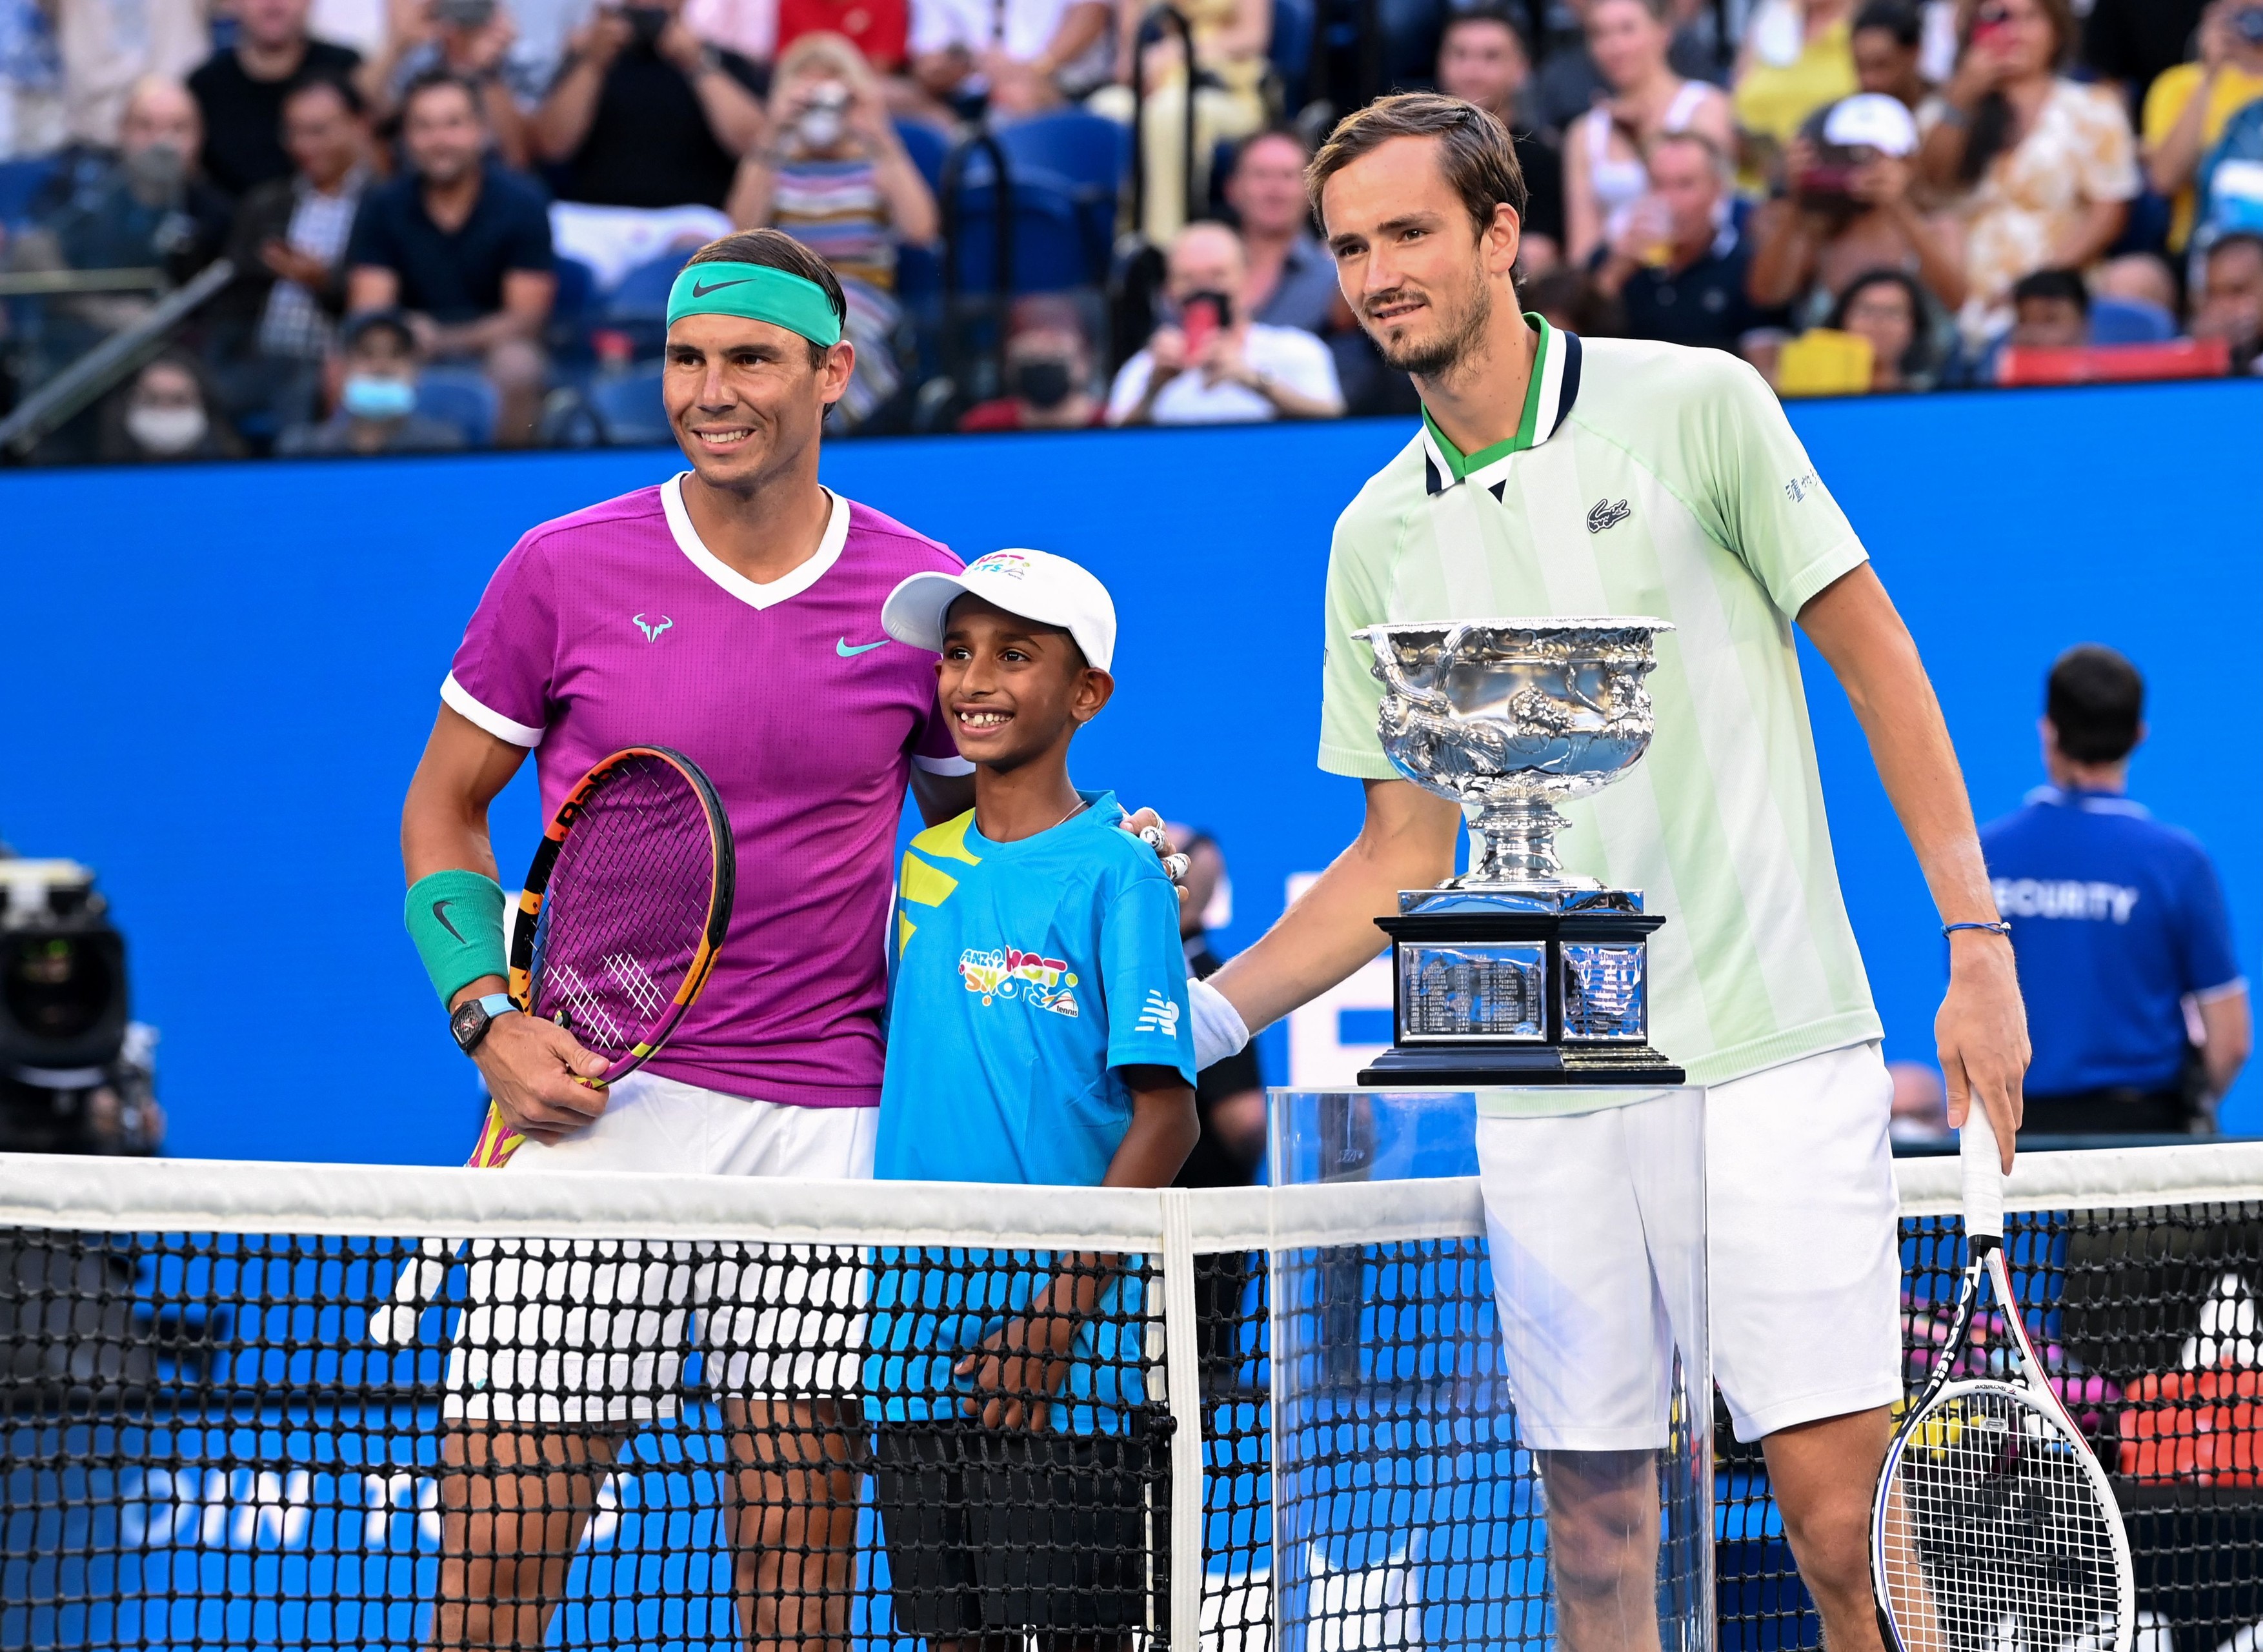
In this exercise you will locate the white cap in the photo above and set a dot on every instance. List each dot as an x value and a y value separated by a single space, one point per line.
1035 584
1871 121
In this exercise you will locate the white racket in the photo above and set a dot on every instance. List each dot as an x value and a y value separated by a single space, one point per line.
1994 1529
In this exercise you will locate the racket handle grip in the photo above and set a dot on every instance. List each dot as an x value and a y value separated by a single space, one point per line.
1984 1174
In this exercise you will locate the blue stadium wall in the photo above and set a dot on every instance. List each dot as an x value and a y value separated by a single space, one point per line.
218 679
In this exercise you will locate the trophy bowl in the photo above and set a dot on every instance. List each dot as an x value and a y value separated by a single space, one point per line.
1506 717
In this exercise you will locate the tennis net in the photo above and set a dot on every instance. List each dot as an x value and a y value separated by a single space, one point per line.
326 1406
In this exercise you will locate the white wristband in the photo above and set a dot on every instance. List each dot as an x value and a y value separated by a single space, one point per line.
1219 1029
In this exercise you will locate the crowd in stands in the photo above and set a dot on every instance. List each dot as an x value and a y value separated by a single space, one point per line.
452 222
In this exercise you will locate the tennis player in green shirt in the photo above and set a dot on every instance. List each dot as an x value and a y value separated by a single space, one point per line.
1557 476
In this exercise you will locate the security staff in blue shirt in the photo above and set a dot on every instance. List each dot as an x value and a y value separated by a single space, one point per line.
2117 921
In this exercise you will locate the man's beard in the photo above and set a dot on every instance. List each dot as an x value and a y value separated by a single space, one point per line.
1438 357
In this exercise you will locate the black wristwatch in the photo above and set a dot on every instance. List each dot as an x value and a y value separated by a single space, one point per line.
471 1018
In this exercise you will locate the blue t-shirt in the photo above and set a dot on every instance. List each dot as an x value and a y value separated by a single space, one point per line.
1027 974
2114 919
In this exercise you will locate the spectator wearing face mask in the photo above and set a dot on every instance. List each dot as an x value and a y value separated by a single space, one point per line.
477 39
2042 169
462 245
1483 58
289 248
645 113
2188 105
1797 55
2229 304
1846 210
835 176
1677 264
1292 280
1048 372
1888 310
241 91
143 208
1212 365
377 397
1888 44
166 412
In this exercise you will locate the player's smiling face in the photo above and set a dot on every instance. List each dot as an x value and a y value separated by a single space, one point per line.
1409 260
1013 688
743 396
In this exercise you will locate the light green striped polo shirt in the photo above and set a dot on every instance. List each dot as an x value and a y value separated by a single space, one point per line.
1647 478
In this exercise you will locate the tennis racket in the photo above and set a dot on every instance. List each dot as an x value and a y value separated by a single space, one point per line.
623 913
625 910
1994 1528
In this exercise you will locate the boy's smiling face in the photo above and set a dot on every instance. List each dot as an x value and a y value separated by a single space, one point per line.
1014 689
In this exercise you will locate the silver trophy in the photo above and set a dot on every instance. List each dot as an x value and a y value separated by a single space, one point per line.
1514 973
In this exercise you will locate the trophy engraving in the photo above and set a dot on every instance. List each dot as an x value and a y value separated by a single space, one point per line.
1515 972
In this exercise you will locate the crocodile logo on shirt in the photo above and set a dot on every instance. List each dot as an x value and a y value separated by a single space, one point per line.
1608 513
1007 972
652 628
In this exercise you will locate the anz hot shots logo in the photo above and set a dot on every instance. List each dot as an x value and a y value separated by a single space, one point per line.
1041 983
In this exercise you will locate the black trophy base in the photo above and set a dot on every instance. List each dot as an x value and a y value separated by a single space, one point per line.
1496 1066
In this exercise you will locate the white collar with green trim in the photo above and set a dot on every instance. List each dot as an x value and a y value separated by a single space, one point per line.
1555 366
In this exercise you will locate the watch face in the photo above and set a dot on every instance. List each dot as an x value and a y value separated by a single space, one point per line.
468 1023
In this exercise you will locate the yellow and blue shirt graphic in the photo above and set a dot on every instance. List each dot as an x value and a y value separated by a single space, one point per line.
1027 975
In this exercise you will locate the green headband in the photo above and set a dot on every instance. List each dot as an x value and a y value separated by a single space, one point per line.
758 293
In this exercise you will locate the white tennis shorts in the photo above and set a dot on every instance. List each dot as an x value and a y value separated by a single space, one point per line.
594 1332
1803 1277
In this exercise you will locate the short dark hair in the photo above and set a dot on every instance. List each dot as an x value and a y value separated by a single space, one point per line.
1918 356
2232 241
775 250
1484 13
359 328
2095 699
437 79
2052 284
1474 150
318 81
1897 17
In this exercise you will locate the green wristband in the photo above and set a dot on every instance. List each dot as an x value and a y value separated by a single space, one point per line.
456 920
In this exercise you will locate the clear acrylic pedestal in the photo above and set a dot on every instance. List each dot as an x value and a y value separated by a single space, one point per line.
1491 1388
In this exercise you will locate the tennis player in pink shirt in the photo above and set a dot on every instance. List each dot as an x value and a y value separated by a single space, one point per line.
733 613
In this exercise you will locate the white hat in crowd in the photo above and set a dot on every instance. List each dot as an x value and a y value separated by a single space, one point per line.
1871 121
1035 584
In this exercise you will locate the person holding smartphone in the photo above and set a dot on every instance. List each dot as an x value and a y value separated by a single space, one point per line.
477 39
1212 364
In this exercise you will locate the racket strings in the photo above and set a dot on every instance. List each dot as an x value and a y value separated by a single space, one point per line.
1997 1537
627 906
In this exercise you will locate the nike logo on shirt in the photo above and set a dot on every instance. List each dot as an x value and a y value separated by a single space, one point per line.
842 649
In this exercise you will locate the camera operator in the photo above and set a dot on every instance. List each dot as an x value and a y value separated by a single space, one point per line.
75 1075
1847 211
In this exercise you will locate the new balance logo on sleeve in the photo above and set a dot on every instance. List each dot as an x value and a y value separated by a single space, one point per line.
1158 1015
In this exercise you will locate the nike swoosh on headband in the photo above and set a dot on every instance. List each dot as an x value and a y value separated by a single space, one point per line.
440 911
842 649
698 290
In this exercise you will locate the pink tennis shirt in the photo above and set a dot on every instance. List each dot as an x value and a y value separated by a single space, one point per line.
615 626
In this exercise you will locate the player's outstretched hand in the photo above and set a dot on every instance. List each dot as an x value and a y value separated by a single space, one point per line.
1147 826
532 1067
1017 1371
1982 1030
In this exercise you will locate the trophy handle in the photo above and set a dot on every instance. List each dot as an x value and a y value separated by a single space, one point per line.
1386 667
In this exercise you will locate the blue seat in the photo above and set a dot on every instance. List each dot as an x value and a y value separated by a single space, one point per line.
1089 150
1295 25
1058 241
928 149
641 295
2127 321
577 284
629 409
21 183
460 397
